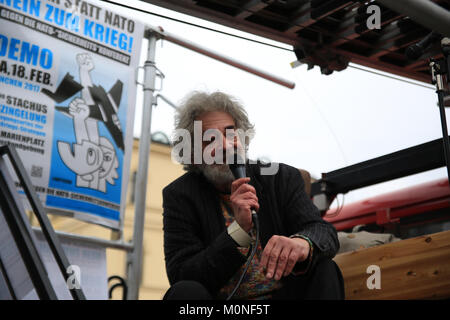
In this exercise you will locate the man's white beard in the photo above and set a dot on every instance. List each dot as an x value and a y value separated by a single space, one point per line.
217 174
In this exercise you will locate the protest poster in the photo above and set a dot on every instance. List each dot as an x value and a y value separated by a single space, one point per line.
67 101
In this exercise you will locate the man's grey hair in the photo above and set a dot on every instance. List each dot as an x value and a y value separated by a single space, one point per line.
197 103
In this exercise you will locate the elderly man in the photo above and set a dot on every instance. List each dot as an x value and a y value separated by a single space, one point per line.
208 228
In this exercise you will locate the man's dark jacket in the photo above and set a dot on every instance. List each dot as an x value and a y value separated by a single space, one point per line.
196 243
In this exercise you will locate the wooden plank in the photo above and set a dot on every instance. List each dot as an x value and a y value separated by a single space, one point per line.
417 268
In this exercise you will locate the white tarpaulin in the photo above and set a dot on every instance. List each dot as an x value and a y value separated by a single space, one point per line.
67 100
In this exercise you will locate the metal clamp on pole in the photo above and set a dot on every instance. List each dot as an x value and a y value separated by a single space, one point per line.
438 68
158 74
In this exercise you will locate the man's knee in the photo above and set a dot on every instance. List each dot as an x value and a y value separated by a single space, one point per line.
328 276
187 290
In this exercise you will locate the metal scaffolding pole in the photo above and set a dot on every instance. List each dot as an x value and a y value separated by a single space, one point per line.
221 57
135 268
425 12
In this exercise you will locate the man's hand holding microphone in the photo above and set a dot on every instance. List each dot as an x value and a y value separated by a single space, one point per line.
281 253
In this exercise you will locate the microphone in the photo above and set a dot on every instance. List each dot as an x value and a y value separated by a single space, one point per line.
419 48
237 167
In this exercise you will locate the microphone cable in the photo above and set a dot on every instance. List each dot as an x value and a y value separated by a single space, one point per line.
249 260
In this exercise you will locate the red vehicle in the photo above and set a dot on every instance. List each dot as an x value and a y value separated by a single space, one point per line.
410 212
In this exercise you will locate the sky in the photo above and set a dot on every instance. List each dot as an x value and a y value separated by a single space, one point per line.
324 124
